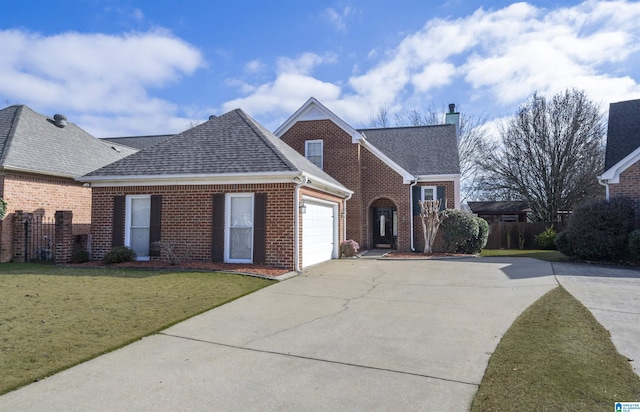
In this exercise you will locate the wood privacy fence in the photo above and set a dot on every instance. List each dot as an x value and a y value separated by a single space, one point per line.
516 235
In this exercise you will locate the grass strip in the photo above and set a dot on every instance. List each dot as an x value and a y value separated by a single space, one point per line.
546 255
556 357
52 318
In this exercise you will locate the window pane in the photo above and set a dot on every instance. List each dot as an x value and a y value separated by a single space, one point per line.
140 241
241 212
140 212
241 243
428 194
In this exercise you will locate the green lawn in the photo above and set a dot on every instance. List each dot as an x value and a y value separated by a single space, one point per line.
556 357
548 255
52 318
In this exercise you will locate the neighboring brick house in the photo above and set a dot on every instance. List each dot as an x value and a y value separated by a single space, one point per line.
39 159
388 169
621 175
225 190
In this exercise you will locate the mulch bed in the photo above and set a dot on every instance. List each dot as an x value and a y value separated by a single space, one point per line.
267 271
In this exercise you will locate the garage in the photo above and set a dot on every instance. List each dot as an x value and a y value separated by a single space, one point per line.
319 231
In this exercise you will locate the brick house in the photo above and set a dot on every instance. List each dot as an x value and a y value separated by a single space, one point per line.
621 176
225 190
39 158
388 170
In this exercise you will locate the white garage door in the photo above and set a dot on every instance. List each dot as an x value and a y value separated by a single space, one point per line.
318 233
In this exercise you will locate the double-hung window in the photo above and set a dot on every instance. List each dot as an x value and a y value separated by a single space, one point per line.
429 193
313 152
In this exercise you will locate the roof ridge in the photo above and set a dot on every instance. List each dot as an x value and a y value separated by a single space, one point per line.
12 132
252 124
405 127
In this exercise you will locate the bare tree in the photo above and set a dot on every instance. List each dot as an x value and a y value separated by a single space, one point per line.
381 119
550 153
431 218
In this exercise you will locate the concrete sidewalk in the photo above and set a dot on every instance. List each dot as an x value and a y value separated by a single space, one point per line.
356 334
612 294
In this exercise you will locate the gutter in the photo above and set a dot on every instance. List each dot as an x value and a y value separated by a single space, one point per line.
415 182
605 183
344 214
299 180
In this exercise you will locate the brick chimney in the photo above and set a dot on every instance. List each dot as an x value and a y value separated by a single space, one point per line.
453 117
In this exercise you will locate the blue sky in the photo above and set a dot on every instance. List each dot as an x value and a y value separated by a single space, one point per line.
120 68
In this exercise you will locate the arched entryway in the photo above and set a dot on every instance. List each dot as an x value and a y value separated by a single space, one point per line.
384 224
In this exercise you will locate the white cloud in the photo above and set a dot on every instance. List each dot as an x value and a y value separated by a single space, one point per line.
338 18
94 73
254 66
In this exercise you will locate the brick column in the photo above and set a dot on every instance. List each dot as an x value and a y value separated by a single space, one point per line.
64 236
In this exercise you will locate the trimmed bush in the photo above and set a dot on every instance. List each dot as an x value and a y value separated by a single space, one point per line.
546 239
118 255
460 231
600 230
81 256
479 242
3 208
634 245
563 243
349 248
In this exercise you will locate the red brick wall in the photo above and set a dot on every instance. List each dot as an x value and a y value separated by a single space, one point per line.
341 161
629 185
187 218
43 195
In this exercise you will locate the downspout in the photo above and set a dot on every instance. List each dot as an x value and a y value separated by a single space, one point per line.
344 215
415 182
299 181
605 183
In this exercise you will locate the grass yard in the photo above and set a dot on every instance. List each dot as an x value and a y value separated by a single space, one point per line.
547 255
52 318
556 357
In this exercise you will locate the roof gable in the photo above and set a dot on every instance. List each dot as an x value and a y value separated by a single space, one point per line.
623 131
420 150
312 109
230 144
31 142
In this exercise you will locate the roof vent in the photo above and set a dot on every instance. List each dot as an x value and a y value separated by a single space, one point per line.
60 120
213 116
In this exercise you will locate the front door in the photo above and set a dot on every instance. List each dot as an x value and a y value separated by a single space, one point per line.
385 227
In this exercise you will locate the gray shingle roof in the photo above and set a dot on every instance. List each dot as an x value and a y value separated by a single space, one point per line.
31 142
499 207
138 142
228 144
623 134
420 150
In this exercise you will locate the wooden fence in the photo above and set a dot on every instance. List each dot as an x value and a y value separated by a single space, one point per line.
515 235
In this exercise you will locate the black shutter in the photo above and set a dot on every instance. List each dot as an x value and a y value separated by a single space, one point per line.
260 228
440 194
217 228
117 235
154 224
417 196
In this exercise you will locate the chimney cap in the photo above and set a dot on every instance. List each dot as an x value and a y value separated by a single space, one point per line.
60 120
452 107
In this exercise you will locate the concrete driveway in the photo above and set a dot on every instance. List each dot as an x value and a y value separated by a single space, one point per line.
613 297
358 334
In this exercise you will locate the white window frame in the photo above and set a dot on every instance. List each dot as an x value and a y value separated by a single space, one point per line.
127 229
425 188
227 226
307 143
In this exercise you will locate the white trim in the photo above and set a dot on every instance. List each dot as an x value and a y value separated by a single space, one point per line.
437 178
612 175
127 225
187 179
227 225
306 151
312 109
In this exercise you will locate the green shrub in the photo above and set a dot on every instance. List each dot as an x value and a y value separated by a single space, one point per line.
563 243
118 255
478 243
634 245
600 230
3 208
546 239
81 256
460 231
